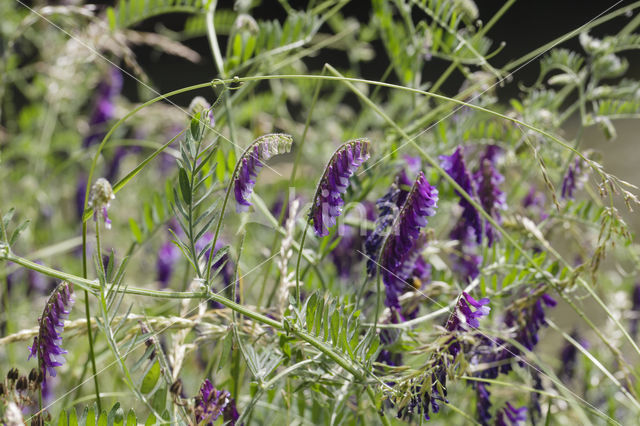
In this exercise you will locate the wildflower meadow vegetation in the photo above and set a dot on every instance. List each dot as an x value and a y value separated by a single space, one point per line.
353 213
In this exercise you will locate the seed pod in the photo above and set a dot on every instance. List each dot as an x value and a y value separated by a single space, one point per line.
22 384
13 374
176 387
33 375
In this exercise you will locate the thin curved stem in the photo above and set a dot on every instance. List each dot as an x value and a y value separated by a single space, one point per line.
304 235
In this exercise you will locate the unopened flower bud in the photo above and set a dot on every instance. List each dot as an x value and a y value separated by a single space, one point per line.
100 199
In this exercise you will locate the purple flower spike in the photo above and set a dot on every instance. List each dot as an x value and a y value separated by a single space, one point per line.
483 403
327 203
574 179
402 248
514 416
212 403
168 255
635 307
104 109
455 167
46 345
488 180
252 161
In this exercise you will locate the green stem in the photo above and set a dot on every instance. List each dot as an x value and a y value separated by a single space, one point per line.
92 356
304 235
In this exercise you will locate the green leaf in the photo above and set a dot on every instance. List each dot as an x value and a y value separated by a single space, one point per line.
8 216
151 378
16 233
220 170
151 420
160 399
116 415
90 416
231 161
135 229
62 420
102 420
131 418
111 17
185 186
73 417
197 129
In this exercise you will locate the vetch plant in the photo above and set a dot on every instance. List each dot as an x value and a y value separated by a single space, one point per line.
468 255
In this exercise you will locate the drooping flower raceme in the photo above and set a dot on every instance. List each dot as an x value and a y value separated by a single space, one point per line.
47 344
455 167
388 207
211 403
401 248
100 198
487 181
261 150
328 202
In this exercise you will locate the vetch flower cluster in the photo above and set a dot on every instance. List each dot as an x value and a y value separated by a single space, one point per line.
573 179
47 344
105 108
251 162
488 180
211 403
328 202
484 186
388 207
456 167
526 323
402 247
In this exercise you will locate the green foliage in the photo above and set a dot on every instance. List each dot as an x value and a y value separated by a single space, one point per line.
128 13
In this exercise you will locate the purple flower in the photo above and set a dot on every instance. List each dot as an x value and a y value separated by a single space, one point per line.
467 261
635 307
47 344
455 167
464 316
104 109
327 203
511 416
526 322
388 208
211 404
252 161
402 248
39 282
569 357
487 180
227 270
168 255
81 189
535 201
483 403
574 179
